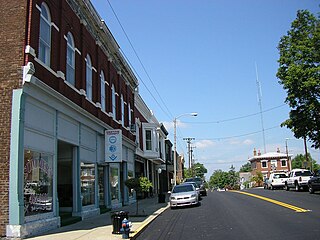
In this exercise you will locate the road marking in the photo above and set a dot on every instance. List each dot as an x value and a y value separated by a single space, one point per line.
297 209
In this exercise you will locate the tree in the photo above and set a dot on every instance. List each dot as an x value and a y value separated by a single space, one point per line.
221 179
299 161
197 170
258 178
299 73
141 184
246 167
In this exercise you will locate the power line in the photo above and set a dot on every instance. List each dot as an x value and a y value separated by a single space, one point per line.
236 118
237 136
143 67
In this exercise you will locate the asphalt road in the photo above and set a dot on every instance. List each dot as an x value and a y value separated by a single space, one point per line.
232 215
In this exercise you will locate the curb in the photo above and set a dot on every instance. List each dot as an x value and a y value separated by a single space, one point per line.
146 222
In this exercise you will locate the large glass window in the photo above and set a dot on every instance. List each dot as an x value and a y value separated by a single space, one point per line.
103 91
148 140
37 182
70 60
87 183
45 35
88 77
129 114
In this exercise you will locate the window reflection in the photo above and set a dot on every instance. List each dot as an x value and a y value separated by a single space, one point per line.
37 182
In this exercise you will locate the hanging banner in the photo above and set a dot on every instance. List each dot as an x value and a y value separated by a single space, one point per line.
113 145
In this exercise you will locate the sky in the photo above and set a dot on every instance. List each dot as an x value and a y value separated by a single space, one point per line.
205 57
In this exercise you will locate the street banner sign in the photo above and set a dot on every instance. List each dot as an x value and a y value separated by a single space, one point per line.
113 146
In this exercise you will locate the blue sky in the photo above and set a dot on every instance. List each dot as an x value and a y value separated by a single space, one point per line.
201 56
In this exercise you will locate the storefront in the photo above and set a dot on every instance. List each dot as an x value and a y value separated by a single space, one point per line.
58 164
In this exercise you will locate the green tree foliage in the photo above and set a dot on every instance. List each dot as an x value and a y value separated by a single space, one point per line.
221 179
198 170
299 73
258 178
246 167
141 184
299 161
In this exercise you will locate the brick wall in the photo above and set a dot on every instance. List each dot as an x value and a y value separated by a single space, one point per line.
12 37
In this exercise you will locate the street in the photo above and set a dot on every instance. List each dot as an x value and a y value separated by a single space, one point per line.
232 215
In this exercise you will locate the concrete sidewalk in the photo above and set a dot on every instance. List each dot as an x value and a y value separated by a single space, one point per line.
100 227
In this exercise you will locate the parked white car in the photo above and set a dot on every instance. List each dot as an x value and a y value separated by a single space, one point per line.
276 180
183 195
298 178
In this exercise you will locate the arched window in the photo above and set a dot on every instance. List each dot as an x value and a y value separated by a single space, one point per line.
114 108
70 60
103 91
45 35
122 110
88 77
129 114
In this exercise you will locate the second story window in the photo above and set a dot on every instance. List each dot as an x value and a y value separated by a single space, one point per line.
88 77
45 35
70 71
148 140
122 110
113 102
264 164
129 114
103 91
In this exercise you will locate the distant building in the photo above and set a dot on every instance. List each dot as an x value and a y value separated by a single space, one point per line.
270 162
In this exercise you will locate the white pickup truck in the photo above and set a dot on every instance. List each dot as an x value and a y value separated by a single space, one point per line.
298 178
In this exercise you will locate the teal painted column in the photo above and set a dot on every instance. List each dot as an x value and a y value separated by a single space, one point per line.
125 189
16 181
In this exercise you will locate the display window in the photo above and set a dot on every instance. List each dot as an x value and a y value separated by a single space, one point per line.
38 182
87 183
114 182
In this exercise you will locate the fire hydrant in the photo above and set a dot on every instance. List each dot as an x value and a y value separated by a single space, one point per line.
126 225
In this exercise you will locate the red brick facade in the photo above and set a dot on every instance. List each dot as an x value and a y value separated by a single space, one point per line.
19 24
13 16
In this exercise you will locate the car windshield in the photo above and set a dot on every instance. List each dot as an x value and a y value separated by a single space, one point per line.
280 176
183 188
196 180
304 173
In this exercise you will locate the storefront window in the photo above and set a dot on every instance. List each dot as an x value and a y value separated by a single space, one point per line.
37 182
114 181
101 185
130 175
87 184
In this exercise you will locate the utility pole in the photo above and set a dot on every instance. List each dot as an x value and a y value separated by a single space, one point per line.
192 161
189 149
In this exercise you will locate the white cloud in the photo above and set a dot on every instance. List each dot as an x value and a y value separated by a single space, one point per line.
204 144
169 125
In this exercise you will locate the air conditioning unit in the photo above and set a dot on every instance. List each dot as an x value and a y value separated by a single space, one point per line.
132 128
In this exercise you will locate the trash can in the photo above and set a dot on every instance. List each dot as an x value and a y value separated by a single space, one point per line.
117 218
161 198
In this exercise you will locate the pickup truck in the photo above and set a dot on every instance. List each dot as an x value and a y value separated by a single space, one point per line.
298 178
276 180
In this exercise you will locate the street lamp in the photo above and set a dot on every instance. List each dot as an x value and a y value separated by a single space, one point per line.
175 144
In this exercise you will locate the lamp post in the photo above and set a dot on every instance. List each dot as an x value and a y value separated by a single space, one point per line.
175 144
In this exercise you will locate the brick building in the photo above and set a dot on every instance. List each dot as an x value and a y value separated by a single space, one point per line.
67 100
270 162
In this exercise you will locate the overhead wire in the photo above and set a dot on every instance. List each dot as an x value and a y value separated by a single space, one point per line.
143 67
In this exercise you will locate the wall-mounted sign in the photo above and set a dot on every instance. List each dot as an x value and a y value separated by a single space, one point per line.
113 145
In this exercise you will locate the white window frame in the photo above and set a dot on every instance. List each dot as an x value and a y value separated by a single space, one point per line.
151 140
285 161
70 60
264 161
45 44
103 91
129 114
88 77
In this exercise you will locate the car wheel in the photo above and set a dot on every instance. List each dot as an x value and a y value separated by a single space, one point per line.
297 187
287 187
311 190
271 187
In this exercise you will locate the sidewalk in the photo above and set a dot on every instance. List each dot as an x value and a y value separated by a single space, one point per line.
100 227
